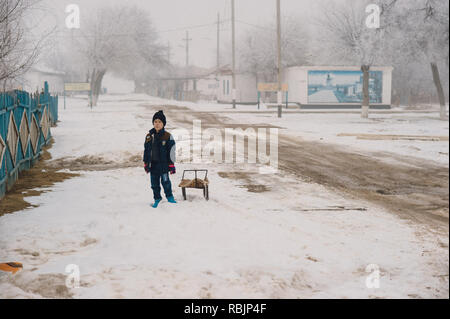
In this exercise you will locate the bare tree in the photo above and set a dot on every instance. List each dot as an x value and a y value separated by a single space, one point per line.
413 35
425 24
17 54
347 39
258 48
119 39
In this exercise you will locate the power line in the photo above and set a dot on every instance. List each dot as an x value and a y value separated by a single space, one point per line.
256 26
192 27
188 28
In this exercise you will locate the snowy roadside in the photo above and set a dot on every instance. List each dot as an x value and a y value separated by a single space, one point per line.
284 240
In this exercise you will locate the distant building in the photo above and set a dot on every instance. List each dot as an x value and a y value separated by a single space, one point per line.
115 85
203 86
194 84
246 87
183 84
34 79
208 87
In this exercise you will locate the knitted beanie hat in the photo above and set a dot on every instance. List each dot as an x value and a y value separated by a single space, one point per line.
159 115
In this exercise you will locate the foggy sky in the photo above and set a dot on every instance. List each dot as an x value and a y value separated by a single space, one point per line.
178 14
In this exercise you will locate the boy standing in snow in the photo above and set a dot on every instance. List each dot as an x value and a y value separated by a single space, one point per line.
159 158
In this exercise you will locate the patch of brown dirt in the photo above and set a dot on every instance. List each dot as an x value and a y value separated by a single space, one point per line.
46 172
94 163
45 285
236 175
88 241
416 191
247 178
255 188
25 252
41 175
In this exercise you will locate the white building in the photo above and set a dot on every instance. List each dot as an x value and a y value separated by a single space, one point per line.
205 86
34 80
337 86
246 88
208 87
116 85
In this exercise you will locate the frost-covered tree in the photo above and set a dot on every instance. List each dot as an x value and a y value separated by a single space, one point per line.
345 37
257 51
17 51
412 36
143 55
421 33
119 39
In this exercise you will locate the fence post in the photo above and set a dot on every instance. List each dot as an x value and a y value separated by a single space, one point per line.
287 102
259 99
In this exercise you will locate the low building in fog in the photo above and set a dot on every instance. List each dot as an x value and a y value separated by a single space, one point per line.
246 87
35 77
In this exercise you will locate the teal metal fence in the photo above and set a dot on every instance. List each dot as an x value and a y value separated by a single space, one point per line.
25 121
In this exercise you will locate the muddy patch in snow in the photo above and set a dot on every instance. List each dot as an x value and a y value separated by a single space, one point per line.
33 182
95 163
247 179
88 241
255 188
25 252
45 285
47 172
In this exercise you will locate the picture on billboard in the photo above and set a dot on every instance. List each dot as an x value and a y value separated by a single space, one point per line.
343 86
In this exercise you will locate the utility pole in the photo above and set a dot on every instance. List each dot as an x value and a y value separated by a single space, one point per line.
168 52
234 53
187 58
279 97
187 48
218 43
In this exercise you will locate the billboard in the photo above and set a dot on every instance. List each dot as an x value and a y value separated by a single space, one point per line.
272 87
343 86
77 87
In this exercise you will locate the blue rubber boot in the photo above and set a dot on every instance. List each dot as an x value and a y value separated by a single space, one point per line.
156 203
171 200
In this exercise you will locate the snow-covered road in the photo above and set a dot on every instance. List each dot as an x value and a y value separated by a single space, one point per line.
260 236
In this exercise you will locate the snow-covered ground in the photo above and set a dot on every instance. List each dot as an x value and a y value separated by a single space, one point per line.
286 241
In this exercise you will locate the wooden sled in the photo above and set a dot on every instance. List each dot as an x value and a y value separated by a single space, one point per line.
195 183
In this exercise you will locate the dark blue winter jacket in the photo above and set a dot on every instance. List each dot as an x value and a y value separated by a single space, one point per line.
166 147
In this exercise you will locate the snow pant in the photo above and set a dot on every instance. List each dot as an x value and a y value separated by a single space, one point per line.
157 177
